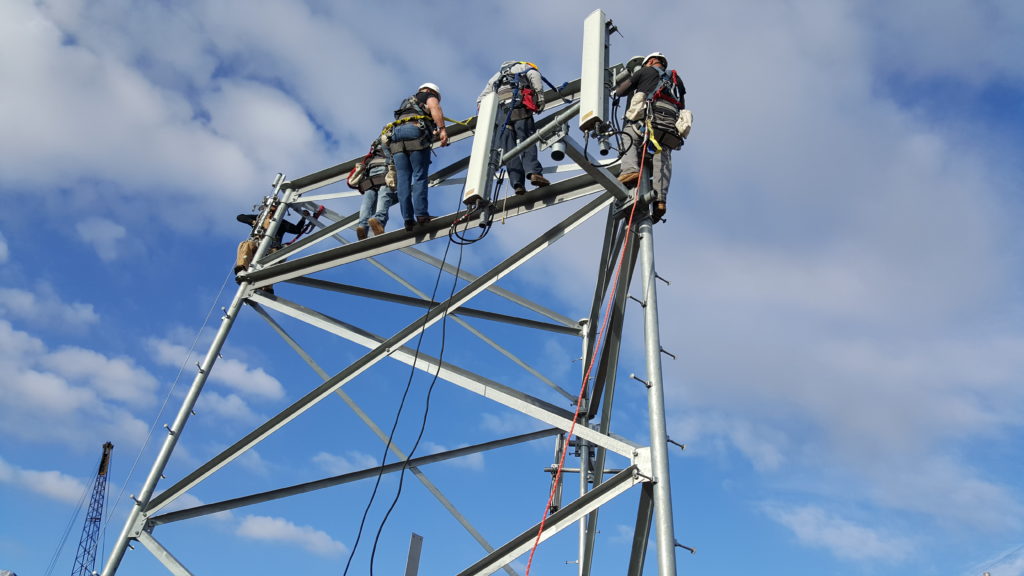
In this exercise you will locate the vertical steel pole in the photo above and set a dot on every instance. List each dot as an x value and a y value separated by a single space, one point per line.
135 523
584 449
581 445
665 532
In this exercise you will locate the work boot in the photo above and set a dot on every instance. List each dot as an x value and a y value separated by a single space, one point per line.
319 212
410 225
376 226
520 189
361 232
538 180
657 210
424 219
629 179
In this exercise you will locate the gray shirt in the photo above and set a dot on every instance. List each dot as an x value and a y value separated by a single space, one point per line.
505 92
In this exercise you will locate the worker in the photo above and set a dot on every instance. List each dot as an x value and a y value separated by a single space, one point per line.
656 121
247 248
419 120
521 94
378 197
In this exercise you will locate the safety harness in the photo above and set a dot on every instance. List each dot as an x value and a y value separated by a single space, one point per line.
409 110
663 106
370 170
523 100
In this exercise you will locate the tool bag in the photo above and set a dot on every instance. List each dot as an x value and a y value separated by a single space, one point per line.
664 115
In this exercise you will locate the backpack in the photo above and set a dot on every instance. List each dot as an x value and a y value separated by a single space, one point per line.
522 91
367 172
410 107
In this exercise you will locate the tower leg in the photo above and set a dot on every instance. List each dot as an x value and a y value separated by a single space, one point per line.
134 525
665 532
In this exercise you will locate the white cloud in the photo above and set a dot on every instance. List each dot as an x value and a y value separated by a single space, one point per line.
52 484
814 527
621 534
230 372
282 127
236 374
959 41
230 406
947 490
114 378
252 461
352 461
5 251
41 405
763 447
273 529
44 307
103 235
167 353
128 118
470 462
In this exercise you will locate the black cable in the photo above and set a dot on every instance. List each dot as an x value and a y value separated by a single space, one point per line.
486 205
426 406
394 426
387 447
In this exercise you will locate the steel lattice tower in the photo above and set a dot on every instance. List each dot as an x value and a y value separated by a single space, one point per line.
85 558
315 264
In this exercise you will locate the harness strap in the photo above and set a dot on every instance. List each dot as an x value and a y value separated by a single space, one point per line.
669 99
390 125
650 136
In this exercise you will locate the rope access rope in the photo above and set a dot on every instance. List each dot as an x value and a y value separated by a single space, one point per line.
590 364
174 384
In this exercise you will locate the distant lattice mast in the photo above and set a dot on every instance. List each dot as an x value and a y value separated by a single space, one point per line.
85 559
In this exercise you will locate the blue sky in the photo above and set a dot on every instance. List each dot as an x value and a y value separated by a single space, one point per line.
843 250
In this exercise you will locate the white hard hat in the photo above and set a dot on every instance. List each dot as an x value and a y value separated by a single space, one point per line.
657 55
430 86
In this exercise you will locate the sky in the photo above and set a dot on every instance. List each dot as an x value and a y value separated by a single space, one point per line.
845 304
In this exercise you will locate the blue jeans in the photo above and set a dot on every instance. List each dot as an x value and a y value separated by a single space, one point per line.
411 170
526 163
376 203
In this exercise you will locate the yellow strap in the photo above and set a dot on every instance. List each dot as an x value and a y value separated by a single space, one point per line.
650 136
453 121
391 125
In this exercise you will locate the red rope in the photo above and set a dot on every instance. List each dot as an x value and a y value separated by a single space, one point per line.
593 358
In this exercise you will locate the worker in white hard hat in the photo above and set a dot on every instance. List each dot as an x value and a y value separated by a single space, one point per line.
521 93
419 120
656 122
